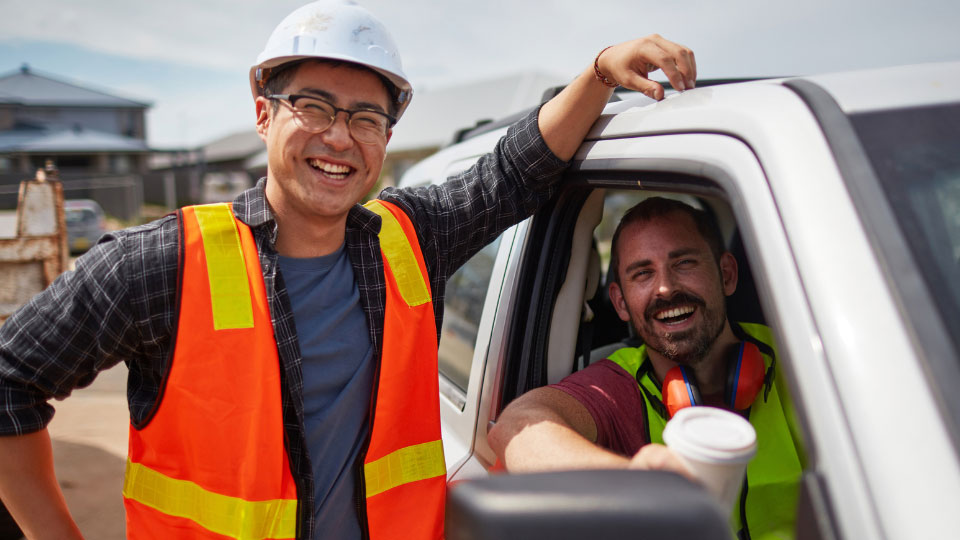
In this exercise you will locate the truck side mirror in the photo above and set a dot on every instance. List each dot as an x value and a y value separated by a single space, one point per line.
594 505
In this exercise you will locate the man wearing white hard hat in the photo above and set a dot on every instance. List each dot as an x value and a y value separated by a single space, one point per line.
282 349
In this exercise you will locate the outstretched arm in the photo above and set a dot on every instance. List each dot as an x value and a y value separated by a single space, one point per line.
547 429
566 119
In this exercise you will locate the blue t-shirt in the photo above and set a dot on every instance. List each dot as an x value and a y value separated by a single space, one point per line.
338 374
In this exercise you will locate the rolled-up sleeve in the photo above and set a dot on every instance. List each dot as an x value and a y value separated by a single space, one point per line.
612 397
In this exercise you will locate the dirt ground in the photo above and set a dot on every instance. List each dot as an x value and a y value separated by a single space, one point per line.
89 433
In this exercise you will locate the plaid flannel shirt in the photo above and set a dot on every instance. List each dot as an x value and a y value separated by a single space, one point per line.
119 305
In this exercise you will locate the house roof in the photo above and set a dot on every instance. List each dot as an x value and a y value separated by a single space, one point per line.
240 145
67 141
27 87
237 146
434 116
256 161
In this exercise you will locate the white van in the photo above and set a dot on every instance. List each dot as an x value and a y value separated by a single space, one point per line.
840 196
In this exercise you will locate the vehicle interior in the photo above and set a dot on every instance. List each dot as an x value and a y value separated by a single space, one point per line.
562 319
565 317
548 313
568 308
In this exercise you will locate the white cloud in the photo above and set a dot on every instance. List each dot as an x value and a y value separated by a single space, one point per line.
457 38
451 41
210 33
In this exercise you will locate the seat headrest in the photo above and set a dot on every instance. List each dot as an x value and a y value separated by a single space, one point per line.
593 273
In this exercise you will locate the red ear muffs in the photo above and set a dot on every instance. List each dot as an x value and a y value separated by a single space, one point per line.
745 372
680 390
744 377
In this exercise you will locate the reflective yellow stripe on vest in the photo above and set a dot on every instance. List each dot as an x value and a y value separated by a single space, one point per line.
229 289
229 516
417 462
396 249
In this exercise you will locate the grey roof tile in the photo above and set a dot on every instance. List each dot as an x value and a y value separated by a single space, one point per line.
68 140
27 87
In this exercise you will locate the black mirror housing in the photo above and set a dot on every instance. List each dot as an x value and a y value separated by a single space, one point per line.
593 505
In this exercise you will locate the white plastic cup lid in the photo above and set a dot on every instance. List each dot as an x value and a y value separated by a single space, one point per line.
712 435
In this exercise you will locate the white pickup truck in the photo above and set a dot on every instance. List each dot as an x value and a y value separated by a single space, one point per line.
840 196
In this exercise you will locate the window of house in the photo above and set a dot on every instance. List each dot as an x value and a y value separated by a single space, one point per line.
121 164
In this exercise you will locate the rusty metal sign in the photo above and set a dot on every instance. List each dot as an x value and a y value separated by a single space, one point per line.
31 260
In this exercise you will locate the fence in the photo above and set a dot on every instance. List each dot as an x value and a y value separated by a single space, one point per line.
120 196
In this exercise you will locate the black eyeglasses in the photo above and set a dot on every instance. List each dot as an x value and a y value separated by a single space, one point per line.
316 115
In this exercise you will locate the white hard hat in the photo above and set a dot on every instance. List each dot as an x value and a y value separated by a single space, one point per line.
338 30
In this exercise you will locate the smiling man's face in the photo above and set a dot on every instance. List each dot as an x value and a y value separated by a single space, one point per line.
320 176
671 288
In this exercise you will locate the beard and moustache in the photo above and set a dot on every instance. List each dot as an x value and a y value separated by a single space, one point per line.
687 347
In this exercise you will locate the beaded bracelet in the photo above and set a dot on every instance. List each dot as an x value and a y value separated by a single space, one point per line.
600 77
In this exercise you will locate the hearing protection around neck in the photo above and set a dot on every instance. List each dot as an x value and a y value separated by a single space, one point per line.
745 377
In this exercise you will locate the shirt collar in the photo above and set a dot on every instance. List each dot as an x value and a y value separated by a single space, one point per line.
251 208
363 220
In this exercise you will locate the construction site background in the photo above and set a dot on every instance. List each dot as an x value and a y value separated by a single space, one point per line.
89 430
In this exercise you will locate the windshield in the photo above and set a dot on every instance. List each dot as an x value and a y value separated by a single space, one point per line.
916 155
76 216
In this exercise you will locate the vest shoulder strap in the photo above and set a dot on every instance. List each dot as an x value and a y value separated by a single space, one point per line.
397 241
629 358
226 269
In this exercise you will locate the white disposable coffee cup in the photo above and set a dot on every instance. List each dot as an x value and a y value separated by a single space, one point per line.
716 445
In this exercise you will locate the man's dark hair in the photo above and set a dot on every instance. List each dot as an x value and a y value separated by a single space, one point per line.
655 207
280 76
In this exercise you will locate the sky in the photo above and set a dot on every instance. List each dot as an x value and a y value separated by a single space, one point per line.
190 58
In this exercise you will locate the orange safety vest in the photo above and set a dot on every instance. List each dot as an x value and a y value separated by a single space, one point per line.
210 462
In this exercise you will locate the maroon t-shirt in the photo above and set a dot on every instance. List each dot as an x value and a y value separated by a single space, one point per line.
612 397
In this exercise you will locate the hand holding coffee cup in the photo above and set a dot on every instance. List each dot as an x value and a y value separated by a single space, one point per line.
716 445
657 457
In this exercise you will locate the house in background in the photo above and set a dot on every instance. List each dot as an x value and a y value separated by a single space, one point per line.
214 172
97 140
